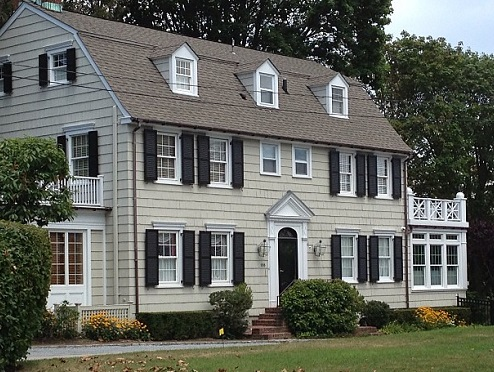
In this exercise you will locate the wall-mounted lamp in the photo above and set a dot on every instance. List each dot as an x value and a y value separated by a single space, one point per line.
262 248
319 249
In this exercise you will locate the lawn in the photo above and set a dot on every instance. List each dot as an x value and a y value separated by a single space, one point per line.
452 349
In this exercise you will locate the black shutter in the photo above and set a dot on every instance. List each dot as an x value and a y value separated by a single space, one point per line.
334 172
71 64
150 155
360 164
238 258
362 258
189 262
237 163
151 258
372 175
62 143
336 256
187 158
92 138
203 160
43 70
374 258
398 259
7 77
396 166
204 258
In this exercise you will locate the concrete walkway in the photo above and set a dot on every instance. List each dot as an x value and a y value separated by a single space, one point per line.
68 350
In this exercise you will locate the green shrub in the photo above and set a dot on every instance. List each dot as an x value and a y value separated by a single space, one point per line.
318 307
61 323
230 310
179 325
25 264
395 327
376 313
407 316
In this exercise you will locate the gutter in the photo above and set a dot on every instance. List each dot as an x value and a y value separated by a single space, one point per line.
134 213
116 288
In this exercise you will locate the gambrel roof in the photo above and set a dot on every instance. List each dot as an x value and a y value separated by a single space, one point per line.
124 54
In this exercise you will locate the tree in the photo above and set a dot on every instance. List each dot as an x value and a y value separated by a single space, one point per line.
347 35
439 98
32 174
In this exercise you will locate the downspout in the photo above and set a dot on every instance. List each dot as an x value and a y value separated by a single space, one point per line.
134 213
116 289
405 237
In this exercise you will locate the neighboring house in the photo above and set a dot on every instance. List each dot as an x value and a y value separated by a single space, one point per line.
199 165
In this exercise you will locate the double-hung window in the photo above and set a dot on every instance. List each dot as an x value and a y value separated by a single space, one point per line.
383 178
58 67
301 161
435 260
183 74
348 257
270 159
385 258
79 159
220 257
168 257
266 87
346 174
167 146
337 100
219 161
67 266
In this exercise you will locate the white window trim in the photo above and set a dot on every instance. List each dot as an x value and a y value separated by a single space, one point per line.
178 163
427 242
353 278
278 158
228 229
85 252
228 169
72 130
388 184
338 82
387 279
352 175
309 162
175 227
51 73
184 53
267 69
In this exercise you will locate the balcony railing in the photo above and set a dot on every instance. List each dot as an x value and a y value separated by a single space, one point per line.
437 212
86 191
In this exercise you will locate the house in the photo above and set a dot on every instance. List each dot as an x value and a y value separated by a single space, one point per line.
198 165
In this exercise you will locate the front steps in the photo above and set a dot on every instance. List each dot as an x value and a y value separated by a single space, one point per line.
270 326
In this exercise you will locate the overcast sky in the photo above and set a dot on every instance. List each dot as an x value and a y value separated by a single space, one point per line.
469 21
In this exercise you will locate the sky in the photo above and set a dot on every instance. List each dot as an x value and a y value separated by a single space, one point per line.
469 21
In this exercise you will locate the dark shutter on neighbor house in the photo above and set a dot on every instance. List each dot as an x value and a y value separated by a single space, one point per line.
374 259
92 138
396 169
398 259
237 163
238 257
7 77
204 258
62 143
336 256
43 70
187 158
151 258
362 258
71 65
189 268
203 160
150 155
334 172
372 176
360 164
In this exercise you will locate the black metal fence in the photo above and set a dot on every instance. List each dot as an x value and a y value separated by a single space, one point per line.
482 311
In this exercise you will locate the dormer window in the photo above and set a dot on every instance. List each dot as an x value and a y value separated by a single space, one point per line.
266 85
337 102
261 81
183 74
333 96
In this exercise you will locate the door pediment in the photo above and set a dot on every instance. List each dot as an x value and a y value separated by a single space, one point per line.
290 208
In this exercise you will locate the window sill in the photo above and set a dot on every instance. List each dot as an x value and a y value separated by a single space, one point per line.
349 195
437 289
350 280
302 176
270 174
58 83
171 285
219 186
185 93
381 281
164 181
340 116
384 197
219 285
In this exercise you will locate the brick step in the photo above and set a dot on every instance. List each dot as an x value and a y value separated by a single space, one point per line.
270 316
271 310
266 330
273 336
365 331
268 322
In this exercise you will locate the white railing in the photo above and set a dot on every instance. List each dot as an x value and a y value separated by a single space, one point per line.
437 212
86 191
120 312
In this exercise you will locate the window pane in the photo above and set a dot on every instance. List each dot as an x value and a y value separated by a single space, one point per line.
269 166
452 275
418 254
75 253
269 158
167 269
167 255
218 156
436 258
266 84
266 81
419 275
59 66
80 155
57 258
219 271
347 267
301 169
183 74
337 100
452 255
267 97
301 154
384 269
436 272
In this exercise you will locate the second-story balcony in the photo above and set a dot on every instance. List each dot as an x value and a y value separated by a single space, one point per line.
86 191
437 212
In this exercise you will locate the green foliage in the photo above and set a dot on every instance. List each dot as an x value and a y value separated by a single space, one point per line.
29 170
103 327
61 323
25 263
407 316
230 309
396 327
318 307
179 325
376 313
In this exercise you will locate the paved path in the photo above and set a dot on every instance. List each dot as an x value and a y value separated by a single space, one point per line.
67 351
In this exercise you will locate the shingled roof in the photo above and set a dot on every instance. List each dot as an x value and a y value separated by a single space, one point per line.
124 55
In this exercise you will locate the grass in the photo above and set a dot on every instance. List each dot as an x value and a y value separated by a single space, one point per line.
451 349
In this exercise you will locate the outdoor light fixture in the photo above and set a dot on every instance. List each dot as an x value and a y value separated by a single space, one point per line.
319 249
262 248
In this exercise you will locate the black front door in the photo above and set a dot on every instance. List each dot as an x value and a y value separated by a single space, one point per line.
287 257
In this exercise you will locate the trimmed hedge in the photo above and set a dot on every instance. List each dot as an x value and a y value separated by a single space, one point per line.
179 325
407 316
25 264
